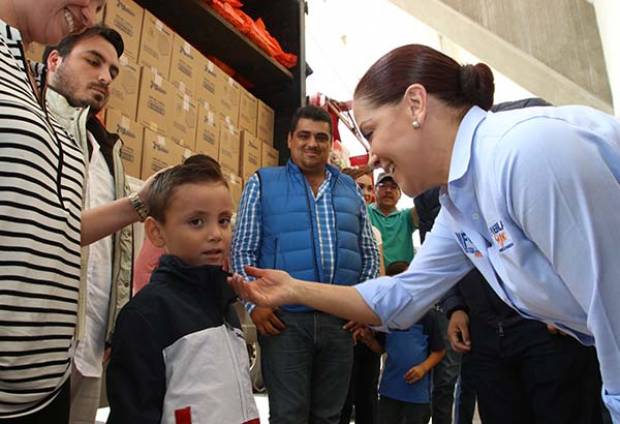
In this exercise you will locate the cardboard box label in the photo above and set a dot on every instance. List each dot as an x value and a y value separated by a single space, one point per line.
155 102
209 82
159 153
184 66
207 132
183 124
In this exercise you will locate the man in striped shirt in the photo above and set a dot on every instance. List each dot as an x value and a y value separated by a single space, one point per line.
42 225
308 219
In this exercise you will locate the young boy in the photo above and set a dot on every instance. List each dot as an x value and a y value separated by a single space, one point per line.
178 355
405 388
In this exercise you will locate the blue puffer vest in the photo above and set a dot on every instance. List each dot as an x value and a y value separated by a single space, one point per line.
289 237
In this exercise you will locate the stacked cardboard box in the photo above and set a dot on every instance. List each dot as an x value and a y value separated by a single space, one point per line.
131 134
160 152
229 147
156 45
184 66
124 90
126 17
269 155
251 155
155 103
208 132
170 101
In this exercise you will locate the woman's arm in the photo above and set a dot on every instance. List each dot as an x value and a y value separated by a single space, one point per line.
274 288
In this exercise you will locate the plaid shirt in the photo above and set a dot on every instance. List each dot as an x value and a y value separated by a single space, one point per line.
246 241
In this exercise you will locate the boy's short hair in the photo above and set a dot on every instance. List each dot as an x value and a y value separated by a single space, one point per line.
195 169
396 268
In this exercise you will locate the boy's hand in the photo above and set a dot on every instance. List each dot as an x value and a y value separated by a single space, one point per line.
415 374
266 321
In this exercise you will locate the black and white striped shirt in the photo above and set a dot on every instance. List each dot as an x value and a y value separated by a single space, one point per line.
41 178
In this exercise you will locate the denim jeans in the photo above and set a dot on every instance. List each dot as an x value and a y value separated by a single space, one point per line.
307 368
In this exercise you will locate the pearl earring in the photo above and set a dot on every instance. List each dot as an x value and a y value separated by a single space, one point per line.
415 124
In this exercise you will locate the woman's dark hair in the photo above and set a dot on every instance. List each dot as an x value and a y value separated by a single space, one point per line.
195 169
458 86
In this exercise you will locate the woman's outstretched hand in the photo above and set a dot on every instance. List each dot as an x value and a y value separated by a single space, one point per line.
271 288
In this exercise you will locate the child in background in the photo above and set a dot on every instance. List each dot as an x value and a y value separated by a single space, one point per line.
405 388
178 355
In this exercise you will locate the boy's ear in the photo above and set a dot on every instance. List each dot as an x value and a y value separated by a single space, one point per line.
153 232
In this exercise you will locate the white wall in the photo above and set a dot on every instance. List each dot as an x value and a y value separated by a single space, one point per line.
608 15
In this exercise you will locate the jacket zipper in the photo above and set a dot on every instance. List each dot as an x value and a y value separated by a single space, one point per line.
336 232
227 332
312 223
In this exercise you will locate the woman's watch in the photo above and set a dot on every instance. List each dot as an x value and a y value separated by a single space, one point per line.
138 206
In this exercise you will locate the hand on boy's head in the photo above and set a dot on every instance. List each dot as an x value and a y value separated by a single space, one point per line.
146 187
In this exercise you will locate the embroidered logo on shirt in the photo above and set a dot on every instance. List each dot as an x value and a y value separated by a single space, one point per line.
500 235
468 245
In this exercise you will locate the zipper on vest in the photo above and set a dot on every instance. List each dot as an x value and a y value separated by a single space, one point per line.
336 233
312 223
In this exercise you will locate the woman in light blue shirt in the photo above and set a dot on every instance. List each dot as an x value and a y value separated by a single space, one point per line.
529 197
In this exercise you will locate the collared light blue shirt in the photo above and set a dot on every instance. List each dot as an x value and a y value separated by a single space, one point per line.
533 198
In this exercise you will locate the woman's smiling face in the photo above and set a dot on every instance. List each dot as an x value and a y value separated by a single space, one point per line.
49 21
395 145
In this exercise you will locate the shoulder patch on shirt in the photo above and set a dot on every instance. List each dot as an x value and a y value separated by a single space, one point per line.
500 235
468 245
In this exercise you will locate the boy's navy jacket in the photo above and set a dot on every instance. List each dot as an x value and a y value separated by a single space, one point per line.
178 354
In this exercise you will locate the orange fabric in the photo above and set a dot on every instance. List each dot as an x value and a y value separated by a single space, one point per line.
256 31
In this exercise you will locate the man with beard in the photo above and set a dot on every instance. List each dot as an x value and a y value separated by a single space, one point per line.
80 71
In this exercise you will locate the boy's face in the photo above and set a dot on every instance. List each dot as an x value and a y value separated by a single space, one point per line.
198 224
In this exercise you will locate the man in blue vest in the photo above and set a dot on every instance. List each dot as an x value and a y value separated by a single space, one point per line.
310 220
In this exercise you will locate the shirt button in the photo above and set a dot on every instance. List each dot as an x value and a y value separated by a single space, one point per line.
475 216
